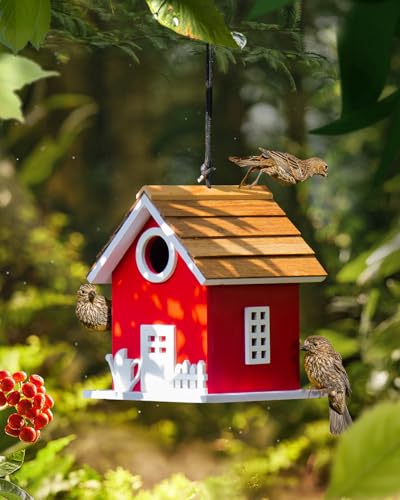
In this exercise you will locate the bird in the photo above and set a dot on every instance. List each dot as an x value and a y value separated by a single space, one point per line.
93 310
284 167
324 369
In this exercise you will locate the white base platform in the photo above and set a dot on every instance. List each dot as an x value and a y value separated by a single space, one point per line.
197 397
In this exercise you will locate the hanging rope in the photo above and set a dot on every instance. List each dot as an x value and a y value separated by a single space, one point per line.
206 168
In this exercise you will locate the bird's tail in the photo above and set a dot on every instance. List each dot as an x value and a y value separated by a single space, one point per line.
339 422
247 161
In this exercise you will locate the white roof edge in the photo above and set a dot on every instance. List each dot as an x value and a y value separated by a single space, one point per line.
101 273
263 281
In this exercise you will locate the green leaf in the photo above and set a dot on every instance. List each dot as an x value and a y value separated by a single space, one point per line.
194 19
351 271
15 72
361 118
13 492
364 47
262 7
391 147
11 463
23 21
367 459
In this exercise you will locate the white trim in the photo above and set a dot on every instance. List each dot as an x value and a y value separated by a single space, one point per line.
101 273
141 262
256 335
193 397
263 281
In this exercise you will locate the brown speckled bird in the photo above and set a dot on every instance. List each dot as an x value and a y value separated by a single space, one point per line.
284 167
324 369
93 310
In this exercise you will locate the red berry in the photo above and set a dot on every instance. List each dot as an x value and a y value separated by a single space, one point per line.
4 374
13 398
29 389
11 432
39 401
49 413
24 406
3 399
16 422
31 413
49 401
28 434
37 380
7 384
41 389
19 376
41 421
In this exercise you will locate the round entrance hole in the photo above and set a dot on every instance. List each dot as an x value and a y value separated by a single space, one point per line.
157 254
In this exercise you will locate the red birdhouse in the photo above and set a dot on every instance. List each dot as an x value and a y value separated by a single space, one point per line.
205 297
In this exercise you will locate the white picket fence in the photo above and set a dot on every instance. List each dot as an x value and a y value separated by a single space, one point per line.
191 376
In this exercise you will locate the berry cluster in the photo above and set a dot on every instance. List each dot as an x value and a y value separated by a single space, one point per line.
32 404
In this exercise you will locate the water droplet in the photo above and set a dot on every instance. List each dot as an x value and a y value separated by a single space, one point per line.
139 412
175 21
8 273
17 159
239 38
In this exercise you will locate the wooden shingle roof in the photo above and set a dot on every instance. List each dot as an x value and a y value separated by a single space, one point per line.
226 235
233 233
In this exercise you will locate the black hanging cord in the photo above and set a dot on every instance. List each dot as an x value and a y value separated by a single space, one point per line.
206 169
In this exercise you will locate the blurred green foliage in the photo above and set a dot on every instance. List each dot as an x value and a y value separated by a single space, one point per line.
90 140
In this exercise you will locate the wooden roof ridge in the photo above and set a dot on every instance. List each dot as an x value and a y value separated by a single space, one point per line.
196 192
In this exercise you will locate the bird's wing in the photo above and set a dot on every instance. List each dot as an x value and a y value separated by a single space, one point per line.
342 372
284 160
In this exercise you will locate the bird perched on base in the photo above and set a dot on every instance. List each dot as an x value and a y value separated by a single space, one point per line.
284 167
93 310
325 371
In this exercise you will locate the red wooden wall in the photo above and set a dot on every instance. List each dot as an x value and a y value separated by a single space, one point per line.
180 301
227 371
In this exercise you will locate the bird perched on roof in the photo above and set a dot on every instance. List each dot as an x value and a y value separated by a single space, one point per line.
93 310
284 167
325 371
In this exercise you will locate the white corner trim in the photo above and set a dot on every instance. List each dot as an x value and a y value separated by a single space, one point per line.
101 273
263 281
195 397
141 261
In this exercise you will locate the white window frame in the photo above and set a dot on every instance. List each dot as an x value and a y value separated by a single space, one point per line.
141 262
257 335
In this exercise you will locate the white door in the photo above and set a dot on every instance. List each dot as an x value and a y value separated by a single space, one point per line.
157 346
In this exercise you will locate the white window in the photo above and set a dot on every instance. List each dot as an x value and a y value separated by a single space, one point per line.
256 335
155 255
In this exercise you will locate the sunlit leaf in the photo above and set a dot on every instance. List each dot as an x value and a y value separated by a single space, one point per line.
364 47
367 460
15 72
23 21
360 118
350 272
11 463
11 491
262 7
194 19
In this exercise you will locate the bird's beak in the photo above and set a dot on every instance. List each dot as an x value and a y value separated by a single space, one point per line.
92 295
303 348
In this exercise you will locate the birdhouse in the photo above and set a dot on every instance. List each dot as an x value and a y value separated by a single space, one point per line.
205 297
